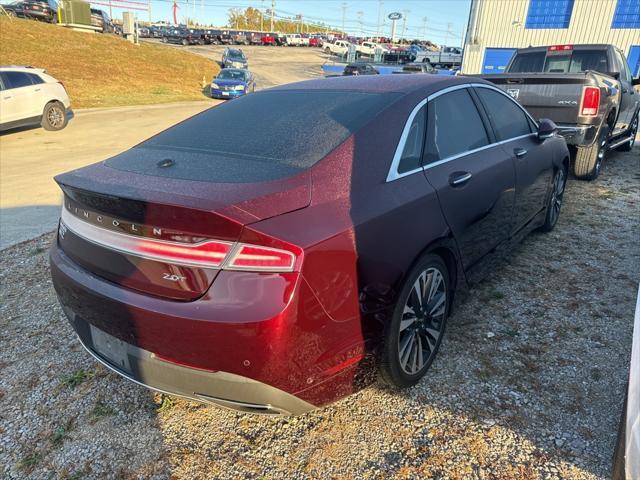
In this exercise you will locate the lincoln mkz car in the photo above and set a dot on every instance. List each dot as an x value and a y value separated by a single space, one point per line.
277 265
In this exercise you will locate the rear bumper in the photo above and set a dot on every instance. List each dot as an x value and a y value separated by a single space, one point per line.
218 388
259 343
578 135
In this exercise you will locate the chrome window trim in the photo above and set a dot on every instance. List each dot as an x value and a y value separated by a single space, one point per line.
395 163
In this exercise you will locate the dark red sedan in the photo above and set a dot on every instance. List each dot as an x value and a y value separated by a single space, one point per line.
270 254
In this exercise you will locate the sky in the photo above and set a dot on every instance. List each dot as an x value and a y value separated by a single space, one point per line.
360 15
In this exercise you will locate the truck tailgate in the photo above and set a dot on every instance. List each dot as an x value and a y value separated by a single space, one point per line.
546 95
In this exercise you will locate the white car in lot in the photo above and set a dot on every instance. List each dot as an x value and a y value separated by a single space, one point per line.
295 40
339 47
29 96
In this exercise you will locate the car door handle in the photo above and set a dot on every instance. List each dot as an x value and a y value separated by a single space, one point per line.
37 89
519 152
459 178
7 98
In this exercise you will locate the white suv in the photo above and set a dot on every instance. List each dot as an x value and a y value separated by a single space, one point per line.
28 96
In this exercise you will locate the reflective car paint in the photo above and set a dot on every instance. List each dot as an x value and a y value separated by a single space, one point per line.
312 332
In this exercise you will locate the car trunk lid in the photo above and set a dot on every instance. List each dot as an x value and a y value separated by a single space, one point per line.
163 236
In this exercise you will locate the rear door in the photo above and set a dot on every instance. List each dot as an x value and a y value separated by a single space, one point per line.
473 176
533 159
629 97
21 97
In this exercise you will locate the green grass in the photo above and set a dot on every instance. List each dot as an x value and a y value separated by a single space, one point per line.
105 70
73 379
28 462
101 410
166 404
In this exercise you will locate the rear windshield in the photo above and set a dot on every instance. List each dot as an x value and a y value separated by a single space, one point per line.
575 61
260 137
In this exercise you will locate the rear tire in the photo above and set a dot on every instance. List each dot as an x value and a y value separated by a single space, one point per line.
413 336
54 116
589 160
555 200
628 146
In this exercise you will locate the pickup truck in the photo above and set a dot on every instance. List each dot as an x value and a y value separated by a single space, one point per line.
369 48
337 47
587 90
445 57
296 40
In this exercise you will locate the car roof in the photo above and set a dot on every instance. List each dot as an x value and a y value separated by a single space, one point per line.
20 68
407 84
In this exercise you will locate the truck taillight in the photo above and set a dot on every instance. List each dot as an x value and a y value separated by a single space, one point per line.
560 48
590 101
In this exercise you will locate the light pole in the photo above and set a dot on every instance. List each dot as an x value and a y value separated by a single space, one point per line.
380 3
344 12
273 12
360 14
404 23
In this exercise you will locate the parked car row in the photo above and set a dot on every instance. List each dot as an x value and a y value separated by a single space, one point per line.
47 10
44 10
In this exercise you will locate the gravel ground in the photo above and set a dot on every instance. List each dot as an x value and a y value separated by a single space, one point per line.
528 384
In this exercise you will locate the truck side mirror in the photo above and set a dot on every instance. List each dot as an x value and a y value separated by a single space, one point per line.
635 81
546 128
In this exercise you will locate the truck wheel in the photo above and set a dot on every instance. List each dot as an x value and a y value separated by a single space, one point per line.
633 131
54 116
589 160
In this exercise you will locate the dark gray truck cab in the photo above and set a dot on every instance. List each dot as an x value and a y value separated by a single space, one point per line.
587 90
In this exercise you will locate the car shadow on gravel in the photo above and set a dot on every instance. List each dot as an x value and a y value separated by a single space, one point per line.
528 384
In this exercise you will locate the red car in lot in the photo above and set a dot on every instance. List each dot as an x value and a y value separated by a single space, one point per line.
275 266
268 39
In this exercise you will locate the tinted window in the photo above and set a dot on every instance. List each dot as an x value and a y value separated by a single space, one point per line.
35 79
16 79
577 61
259 137
625 75
528 62
455 126
411 158
507 117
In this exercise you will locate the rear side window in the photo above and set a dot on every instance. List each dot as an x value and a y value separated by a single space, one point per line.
507 117
35 79
263 136
411 158
16 79
455 126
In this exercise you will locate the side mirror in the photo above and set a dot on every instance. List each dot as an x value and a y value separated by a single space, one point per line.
546 129
635 81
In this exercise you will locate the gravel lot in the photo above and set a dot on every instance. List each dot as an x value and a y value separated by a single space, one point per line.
528 384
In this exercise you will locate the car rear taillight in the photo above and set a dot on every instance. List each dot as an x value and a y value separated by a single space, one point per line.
61 84
252 257
560 48
590 101
203 254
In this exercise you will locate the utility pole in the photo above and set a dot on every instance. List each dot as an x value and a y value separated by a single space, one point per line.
380 3
404 23
273 12
344 12
301 24
149 10
360 14
446 35
262 15
424 27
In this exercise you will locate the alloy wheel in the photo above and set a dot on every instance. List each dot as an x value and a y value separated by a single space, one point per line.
601 153
556 196
55 116
423 321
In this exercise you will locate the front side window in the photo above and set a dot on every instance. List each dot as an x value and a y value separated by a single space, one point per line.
16 79
549 14
411 158
455 126
507 117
